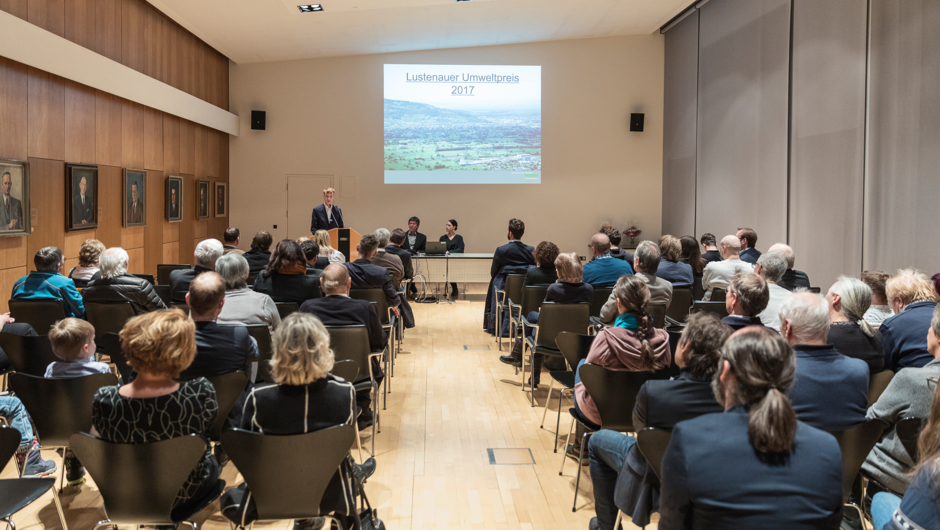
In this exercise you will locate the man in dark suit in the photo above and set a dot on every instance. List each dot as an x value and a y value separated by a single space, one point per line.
514 257
415 241
616 463
83 211
748 239
394 246
135 209
792 279
174 204
365 275
327 215
11 211
336 308
312 254
207 251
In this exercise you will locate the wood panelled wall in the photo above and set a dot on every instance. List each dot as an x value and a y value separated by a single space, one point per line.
137 35
51 121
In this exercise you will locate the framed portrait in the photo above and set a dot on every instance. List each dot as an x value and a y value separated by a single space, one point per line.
221 206
135 197
174 199
14 198
202 199
81 198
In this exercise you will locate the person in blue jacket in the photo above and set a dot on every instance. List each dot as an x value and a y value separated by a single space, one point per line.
48 283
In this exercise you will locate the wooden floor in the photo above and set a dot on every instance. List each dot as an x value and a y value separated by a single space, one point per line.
451 400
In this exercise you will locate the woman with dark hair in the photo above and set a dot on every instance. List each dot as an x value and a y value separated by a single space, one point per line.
754 465
285 277
260 253
543 272
454 246
692 254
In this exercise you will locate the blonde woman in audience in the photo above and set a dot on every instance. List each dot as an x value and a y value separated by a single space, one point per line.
911 297
879 309
87 268
323 239
849 299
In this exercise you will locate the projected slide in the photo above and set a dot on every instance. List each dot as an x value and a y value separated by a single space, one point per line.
463 124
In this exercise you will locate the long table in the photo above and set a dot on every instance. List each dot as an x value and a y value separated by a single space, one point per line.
462 268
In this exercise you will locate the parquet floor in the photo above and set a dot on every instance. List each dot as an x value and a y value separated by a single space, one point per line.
447 407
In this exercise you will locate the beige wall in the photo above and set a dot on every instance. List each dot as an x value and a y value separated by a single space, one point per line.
325 116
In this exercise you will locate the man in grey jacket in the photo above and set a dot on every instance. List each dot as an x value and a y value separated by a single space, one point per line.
116 285
645 264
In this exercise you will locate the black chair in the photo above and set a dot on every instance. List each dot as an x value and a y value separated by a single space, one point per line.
348 369
652 443
262 336
877 384
553 319
575 348
163 291
40 314
139 482
352 342
182 307
59 407
600 297
110 317
718 294
673 370
657 312
532 298
816 290
257 457
228 387
511 292
164 270
148 277
28 355
678 310
286 308
855 444
111 343
389 323
717 308
698 291
18 493
908 430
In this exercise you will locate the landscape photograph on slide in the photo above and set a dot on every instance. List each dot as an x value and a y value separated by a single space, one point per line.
463 124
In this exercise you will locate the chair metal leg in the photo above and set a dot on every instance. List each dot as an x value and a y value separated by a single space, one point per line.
58 507
558 420
577 483
547 400
9 521
359 445
564 454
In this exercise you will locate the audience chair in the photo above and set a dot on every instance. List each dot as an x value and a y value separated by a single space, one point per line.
658 313
532 298
262 336
575 348
614 393
59 407
278 497
652 444
352 342
698 291
108 318
251 280
678 311
717 308
40 314
388 323
816 290
164 270
284 309
718 295
511 293
111 343
139 482
182 307
599 298
148 277
908 430
18 493
877 385
228 388
28 355
855 444
163 291
553 319
348 369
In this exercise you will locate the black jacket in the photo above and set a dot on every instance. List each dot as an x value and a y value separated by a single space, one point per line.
620 253
405 259
365 275
421 242
319 221
338 310
322 262
454 246
220 350
124 288
739 322
540 276
513 253
257 261
180 280
713 255
297 288
794 279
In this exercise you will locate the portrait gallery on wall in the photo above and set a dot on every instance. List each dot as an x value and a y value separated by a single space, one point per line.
81 203
202 199
221 207
14 185
174 199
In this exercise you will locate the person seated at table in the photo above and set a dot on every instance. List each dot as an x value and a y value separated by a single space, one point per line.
285 278
87 269
454 246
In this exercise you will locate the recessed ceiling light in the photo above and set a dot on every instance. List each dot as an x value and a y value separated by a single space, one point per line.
310 8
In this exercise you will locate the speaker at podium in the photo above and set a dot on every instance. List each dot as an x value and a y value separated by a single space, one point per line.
345 240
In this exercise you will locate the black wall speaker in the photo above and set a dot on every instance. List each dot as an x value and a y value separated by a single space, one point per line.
636 122
257 120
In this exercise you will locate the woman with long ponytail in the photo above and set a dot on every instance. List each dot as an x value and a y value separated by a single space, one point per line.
849 299
754 465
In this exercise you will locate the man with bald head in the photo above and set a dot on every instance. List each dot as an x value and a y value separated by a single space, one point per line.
604 270
792 279
11 211
718 274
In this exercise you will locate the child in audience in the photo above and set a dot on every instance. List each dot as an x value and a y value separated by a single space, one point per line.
28 458
73 341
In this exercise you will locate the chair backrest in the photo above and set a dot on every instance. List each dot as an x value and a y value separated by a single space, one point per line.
556 318
717 308
908 430
258 457
652 443
698 291
228 387
148 277
816 290
513 288
350 342
718 294
28 355
614 394
574 346
658 313
40 314
348 369
877 384
599 298
680 305
373 295
9 442
532 298
262 336
59 407
855 444
673 370
138 482
182 307
286 308
108 318
111 344
164 270
163 291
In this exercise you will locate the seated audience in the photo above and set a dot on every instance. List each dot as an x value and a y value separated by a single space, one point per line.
285 278
29 461
911 297
395 241
848 299
754 465
207 251
671 268
692 255
645 262
117 286
831 390
615 238
243 306
365 275
260 254
312 252
231 239
327 251
543 272
514 257
710 244
770 267
908 395
87 268
219 349
391 262
616 462
748 238
747 297
9 325
603 270
879 310
304 397
336 308
47 283
154 406
792 279
718 274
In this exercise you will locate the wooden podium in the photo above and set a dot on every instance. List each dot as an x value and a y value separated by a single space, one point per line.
345 240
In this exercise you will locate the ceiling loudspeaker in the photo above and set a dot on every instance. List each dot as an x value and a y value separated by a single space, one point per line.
257 120
636 122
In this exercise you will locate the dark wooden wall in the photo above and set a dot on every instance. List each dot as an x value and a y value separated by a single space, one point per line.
51 121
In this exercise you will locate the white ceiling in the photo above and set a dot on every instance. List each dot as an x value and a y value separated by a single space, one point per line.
251 31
